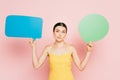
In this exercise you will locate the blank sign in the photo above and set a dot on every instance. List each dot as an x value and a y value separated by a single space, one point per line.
23 26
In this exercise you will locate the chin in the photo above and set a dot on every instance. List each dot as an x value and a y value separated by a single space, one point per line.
59 40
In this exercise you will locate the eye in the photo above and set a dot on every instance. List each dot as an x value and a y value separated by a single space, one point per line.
57 31
64 31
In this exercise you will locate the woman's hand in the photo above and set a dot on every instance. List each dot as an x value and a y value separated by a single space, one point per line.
32 43
89 46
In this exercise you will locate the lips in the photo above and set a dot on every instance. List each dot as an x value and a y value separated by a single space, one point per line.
59 37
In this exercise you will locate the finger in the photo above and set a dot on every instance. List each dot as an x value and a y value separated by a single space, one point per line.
89 45
31 41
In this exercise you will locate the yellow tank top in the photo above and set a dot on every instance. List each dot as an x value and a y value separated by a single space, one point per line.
60 66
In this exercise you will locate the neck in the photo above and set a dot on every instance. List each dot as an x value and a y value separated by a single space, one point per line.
59 44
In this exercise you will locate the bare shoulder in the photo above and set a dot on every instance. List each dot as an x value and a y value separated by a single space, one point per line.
71 47
47 48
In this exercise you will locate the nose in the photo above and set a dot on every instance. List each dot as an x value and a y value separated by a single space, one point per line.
60 34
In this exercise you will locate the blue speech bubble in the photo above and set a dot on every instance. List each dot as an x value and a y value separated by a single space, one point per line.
23 26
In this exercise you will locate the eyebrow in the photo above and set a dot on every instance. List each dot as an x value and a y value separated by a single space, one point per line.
62 30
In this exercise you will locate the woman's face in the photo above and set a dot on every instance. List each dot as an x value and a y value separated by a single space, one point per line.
60 33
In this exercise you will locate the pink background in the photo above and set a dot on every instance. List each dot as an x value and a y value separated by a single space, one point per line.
16 53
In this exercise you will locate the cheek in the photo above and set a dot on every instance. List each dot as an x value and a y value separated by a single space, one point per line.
55 34
64 35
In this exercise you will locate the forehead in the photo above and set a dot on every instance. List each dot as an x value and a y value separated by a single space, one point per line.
60 28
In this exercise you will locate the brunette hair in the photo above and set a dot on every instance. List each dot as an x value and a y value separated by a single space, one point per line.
60 24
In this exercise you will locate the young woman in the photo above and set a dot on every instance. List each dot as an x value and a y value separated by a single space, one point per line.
60 55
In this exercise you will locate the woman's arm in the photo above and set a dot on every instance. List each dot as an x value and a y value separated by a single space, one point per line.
38 62
81 64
